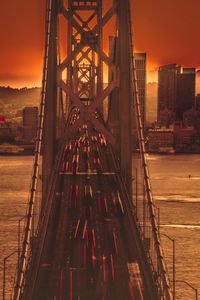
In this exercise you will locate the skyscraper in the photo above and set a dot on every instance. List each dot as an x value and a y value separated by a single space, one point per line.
167 77
185 98
140 63
197 102
30 123
176 91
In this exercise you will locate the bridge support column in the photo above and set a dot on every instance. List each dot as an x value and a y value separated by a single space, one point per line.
50 119
125 92
113 104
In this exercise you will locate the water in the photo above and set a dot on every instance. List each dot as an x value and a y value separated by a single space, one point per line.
15 175
176 194
175 181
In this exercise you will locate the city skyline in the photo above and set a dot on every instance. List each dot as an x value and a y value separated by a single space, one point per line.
161 30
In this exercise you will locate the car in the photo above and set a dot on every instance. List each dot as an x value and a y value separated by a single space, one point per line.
75 161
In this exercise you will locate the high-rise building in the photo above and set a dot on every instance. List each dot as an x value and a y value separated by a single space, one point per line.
140 63
185 97
197 102
30 123
167 76
176 91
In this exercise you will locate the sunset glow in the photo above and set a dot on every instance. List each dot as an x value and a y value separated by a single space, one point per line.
166 30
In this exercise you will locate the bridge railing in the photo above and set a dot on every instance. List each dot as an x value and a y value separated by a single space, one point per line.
142 194
28 239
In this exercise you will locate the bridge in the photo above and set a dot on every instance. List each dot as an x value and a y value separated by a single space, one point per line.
91 230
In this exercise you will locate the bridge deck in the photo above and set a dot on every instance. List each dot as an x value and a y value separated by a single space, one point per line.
88 251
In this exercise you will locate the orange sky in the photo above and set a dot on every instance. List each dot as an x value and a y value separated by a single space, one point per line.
168 30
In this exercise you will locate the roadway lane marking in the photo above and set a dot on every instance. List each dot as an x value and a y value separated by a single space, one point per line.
59 194
85 173
70 285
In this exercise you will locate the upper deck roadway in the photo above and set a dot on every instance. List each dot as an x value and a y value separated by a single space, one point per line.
88 250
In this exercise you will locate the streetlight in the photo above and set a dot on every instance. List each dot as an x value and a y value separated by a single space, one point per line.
188 284
4 272
174 264
19 237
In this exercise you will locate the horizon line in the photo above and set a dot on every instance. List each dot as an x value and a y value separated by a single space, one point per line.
39 87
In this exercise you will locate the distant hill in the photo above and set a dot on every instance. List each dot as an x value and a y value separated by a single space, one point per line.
13 100
22 96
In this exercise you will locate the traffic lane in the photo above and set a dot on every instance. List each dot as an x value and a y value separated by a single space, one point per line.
71 201
70 255
45 272
76 242
104 209
57 261
109 240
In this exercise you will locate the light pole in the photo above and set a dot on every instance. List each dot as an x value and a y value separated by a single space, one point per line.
19 237
173 263
4 272
188 284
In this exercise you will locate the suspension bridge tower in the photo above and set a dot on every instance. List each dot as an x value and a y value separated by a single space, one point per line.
95 226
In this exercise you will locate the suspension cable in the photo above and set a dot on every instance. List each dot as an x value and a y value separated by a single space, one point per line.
29 217
136 104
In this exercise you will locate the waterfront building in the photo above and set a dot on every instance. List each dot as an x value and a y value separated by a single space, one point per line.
191 118
166 117
161 140
5 130
185 138
140 63
30 123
